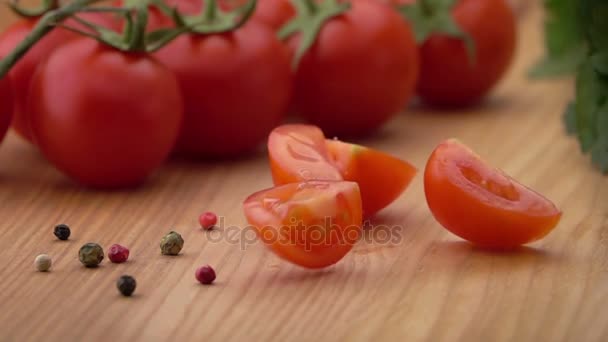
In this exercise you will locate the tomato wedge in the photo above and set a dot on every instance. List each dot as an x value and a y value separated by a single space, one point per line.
301 152
482 204
311 224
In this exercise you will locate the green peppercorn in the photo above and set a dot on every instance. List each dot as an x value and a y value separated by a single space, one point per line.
171 244
62 232
126 285
91 255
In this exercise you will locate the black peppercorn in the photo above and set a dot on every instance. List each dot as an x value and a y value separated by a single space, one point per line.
62 232
126 285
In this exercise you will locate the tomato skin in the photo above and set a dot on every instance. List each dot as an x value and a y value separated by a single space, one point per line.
287 217
360 72
482 204
236 89
382 178
447 76
301 153
6 106
21 74
105 118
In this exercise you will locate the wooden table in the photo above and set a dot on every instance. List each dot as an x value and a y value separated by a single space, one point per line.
427 285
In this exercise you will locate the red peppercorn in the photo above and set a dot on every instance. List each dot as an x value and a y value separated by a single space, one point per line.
207 220
205 275
118 254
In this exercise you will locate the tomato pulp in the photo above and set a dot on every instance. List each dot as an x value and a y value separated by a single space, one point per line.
311 224
301 152
104 117
481 204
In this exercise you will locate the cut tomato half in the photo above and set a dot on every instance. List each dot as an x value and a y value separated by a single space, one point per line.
311 224
301 152
482 204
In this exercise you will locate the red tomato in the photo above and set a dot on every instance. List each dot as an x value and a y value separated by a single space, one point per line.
236 88
359 73
481 204
21 74
300 152
312 224
104 117
274 13
447 75
6 106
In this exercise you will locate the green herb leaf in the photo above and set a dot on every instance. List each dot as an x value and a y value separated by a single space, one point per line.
588 100
565 45
599 152
599 61
570 118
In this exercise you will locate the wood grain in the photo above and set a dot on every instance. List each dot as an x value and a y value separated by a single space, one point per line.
425 286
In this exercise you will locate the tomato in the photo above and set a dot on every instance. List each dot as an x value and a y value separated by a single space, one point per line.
311 224
236 88
359 73
6 106
274 13
481 204
447 75
105 118
21 74
301 152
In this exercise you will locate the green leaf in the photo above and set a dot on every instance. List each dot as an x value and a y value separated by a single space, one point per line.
558 65
588 100
600 62
596 13
599 152
570 118
564 39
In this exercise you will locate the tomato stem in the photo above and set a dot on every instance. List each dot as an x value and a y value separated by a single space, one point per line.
46 6
309 22
42 28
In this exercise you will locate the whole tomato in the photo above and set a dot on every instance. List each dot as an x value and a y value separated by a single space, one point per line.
21 74
236 88
274 13
448 76
360 72
6 106
104 117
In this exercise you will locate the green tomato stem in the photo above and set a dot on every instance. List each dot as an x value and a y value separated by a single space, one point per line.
42 28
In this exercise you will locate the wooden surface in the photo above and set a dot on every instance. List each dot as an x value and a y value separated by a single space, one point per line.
426 286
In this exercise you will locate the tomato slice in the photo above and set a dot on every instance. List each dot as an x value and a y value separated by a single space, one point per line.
311 224
301 152
482 204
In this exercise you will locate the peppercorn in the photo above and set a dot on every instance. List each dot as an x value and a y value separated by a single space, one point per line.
171 244
43 263
126 285
62 232
91 254
205 275
207 220
118 254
